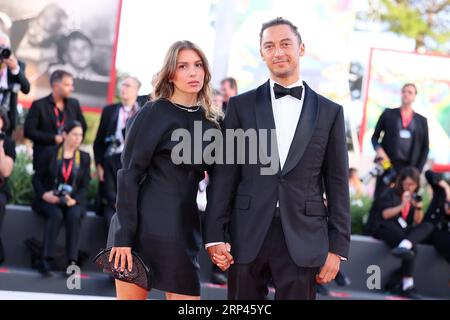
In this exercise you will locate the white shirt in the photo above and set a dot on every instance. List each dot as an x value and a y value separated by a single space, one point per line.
125 113
4 78
286 113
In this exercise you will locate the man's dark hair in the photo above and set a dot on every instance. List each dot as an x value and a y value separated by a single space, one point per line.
410 85
231 81
276 22
58 75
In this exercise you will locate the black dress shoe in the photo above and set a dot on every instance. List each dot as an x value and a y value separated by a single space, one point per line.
411 293
322 290
403 253
219 278
342 280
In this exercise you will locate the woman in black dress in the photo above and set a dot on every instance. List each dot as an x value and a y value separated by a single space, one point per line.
157 214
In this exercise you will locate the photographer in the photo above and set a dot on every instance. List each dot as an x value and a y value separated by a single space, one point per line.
7 157
438 213
399 223
12 80
61 182
108 144
404 142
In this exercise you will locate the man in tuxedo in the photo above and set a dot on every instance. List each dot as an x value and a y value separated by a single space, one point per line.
279 227
108 144
12 80
405 137
45 120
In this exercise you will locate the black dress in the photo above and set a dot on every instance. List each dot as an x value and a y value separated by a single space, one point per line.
157 213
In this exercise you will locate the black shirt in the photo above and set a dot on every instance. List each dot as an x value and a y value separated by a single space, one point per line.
405 144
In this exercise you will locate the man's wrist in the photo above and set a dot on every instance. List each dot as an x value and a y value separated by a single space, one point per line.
210 244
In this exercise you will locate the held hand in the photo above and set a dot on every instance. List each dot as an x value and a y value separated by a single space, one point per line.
50 197
406 197
100 173
220 255
70 202
58 139
329 270
123 256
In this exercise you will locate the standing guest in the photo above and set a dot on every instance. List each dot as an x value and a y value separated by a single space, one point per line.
278 223
404 139
157 214
61 182
229 88
45 120
109 142
12 80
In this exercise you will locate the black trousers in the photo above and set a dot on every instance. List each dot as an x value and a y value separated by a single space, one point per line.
250 281
56 215
441 241
3 200
392 233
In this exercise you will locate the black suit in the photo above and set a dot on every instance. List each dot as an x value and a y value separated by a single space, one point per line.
390 122
318 154
41 123
45 179
14 81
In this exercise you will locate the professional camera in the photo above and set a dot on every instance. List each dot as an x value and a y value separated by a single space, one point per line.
113 145
5 53
62 191
2 136
417 197
382 167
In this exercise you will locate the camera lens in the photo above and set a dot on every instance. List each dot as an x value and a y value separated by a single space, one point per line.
5 53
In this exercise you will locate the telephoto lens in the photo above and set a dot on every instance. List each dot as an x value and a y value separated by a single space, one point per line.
5 52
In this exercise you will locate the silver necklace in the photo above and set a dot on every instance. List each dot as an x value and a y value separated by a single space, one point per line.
185 108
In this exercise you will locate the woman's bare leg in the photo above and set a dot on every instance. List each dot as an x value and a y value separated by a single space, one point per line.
130 291
176 296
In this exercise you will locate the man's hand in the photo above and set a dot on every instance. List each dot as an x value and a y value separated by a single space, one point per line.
59 139
12 63
329 270
220 255
382 154
100 173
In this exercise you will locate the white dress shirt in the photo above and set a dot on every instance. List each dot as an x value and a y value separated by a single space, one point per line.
4 77
125 113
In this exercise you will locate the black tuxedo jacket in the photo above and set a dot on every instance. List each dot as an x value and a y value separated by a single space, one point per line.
390 123
13 80
40 124
317 158
107 127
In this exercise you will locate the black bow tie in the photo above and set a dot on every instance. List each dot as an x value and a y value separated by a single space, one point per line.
281 91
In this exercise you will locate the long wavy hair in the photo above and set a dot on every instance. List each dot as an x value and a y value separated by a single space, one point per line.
164 88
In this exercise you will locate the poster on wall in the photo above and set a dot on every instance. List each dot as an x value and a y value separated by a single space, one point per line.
389 70
65 35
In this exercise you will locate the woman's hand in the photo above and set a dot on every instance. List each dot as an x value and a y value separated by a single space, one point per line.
50 197
406 197
70 202
122 256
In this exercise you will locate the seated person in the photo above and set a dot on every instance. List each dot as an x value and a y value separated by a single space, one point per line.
7 157
61 181
438 213
399 223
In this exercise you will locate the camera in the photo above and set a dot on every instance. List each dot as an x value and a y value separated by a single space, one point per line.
5 53
2 135
382 167
417 197
62 191
113 145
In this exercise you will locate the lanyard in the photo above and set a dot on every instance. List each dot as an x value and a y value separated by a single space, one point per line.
405 210
59 123
67 171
